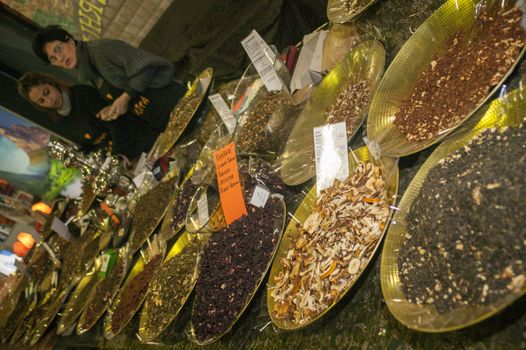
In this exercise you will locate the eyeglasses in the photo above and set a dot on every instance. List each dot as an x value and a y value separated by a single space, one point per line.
57 53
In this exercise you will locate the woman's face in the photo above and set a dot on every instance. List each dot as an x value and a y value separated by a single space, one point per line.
62 54
46 95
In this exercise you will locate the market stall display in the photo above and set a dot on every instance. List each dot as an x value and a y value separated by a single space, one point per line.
455 255
444 73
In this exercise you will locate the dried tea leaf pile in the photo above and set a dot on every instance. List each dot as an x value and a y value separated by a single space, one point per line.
350 106
148 212
234 261
466 242
132 295
76 304
458 79
182 201
170 288
333 246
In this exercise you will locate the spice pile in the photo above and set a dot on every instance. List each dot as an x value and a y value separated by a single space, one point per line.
466 242
333 246
350 106
182 201
77 261
234 261
354 6
458 79
262 123
76 303
170 288
148 212
105 290
181 115
132 295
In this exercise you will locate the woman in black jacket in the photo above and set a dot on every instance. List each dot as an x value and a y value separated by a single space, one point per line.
77 106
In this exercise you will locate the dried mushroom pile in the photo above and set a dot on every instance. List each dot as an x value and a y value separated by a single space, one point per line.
170 288
350 106
458 79
148 212
333 246
465 241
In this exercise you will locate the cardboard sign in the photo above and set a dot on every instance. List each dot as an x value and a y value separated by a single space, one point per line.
230 192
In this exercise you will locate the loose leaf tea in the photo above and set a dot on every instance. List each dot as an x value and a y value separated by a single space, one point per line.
148 212
76 262
182 201
76 304
234 261
466 243
333 246
458 79
170 288
133 295
105 290
350 106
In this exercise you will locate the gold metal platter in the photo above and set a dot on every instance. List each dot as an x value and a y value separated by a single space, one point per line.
341 11
17 331
256 287
506 111
74 306
365 61
147 334
401 76
122 257
307 207
88 197
180 117
136 269
44 320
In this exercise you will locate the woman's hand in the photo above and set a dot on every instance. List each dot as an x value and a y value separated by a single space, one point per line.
117 108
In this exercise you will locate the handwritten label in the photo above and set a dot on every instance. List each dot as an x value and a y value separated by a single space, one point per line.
330 148
228 183
263 59
259 197
224 112
373 147
202 209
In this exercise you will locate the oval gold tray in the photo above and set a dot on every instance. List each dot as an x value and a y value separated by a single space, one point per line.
337 12
302 213
506 111
180 117
191 332
401 76
366 61
146 334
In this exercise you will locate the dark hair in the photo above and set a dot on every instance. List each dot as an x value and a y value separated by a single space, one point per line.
47 35
31 79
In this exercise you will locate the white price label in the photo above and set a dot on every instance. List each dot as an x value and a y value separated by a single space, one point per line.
173 165
259 197
374 148
330 147
202 209
224 112
263 59
105 262
137 180
141 163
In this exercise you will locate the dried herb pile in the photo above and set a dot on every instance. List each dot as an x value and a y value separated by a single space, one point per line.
466 242
458 79
233 262
182 201
105 290
132 295
148 212
76 304
350 106
170 288
77 261
333 245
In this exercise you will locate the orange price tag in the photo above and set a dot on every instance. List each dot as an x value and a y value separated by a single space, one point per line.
230 192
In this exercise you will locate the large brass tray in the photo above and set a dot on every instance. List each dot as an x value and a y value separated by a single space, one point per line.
401 76
506 111
364 62
305 209
147 334
181 115
341 11
256 287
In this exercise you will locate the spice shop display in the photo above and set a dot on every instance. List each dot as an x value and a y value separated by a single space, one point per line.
323 254
343 95
103 293
149 211
456 255
341 11
134 290
171 286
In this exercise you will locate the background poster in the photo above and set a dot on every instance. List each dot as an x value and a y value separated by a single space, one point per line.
24 159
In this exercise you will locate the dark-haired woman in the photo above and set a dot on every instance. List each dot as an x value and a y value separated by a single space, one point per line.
77 106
